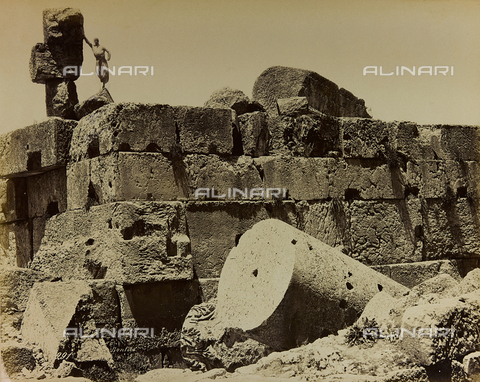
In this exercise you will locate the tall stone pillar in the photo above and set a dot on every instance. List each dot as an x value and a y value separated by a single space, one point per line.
57 61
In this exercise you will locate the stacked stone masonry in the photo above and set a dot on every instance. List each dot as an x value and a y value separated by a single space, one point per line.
114 198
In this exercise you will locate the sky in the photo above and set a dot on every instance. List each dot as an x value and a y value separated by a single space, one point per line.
197 47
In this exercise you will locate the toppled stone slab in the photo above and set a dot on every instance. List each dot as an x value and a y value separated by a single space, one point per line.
36 148
322 94
49 311
234 99
204 130
411 274
93 103
254 133
125 176
124 127
215 228
283 287
126 242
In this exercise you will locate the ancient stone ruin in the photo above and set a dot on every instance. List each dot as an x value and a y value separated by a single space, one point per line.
271 238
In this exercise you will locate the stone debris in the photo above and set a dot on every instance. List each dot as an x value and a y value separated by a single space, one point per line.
93 103
234 99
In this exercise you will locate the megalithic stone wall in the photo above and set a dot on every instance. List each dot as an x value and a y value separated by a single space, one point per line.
113 196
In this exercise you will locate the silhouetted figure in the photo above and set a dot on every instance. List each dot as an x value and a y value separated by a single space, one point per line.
101 65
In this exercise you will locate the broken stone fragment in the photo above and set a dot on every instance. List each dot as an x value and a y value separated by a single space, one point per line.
323 95
61 98
93 103
42 65
233 99
16 356
284 287
50 309
292 106
254 133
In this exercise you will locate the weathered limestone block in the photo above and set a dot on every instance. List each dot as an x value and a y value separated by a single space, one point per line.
50 309
61 98
63 34
451 228
385 232
43 66
362 179
125 176
215 228
470 283
221 174
233 99
326 221
411 274
125 242
309 135
13 199
283 287
410 140
93 103
124 127
322 94
35 148
204 130
292 106
304 178
47 193
16 243
433 290
254 132
455 142
366 138
208 288
460 313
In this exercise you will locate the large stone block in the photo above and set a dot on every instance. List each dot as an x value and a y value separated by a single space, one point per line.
366 138
124 127
234 99
222 174
304 178
125 242
215 228
61 98
36 148
254 132
13 199
451 228
16 243
125 176
385 232
204 130
284 287
47 193
456 142
322 94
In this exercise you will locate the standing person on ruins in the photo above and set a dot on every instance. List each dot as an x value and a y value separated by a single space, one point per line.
101 65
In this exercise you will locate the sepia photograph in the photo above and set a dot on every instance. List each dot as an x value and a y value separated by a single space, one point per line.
248 191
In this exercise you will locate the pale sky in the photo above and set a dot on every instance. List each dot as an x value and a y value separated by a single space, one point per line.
197 47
